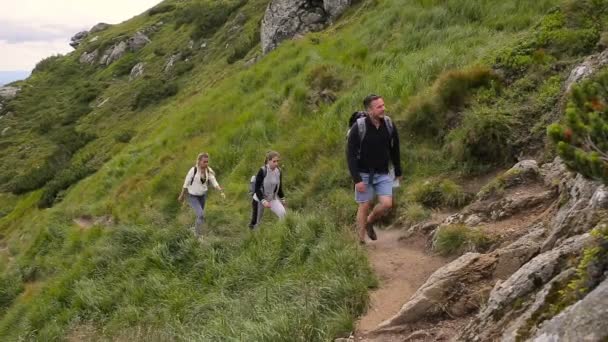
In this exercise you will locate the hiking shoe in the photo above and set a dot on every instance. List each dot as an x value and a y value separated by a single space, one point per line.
371 232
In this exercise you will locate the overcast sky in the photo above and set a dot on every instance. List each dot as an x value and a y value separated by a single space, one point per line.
33 29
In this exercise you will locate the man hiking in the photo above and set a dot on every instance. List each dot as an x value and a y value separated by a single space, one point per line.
373 144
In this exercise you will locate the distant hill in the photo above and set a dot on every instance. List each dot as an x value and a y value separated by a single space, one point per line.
12 75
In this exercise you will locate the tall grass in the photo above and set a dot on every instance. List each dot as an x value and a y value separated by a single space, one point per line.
303 279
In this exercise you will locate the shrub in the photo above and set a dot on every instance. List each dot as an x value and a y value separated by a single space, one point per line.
153 91
483 138
206 17
458 239
415 213
11 286
124 65
431 113
436 193
243 46
183 67
582 139
47 64
124 137
62 181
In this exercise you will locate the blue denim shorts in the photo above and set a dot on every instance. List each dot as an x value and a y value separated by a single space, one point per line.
381 185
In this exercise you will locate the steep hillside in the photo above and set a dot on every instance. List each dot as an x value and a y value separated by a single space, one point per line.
471 85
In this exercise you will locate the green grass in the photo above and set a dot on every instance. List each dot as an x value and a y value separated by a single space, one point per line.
305 279
459 239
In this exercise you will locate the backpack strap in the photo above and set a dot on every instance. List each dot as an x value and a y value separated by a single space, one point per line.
361 127
193 175
391 129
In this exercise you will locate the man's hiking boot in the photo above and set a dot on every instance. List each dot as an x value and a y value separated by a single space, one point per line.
371 232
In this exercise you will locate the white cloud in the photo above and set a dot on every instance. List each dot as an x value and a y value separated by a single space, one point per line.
31 30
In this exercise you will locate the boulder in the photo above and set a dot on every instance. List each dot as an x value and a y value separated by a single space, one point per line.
138 41
78 38
136 71
118 51
442 287
286 19
88 57
336 7
587 320
99 27
171 61
524 282
587 68
8 92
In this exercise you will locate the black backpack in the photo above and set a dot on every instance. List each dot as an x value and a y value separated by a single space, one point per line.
358 118
252 181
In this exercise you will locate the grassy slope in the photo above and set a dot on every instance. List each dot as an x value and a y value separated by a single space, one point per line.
304 279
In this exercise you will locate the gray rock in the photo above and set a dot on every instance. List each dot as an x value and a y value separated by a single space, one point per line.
587 320
286 19
335 8
8 92
5 131
99 27
512 257
432 297
137 42
88 58
589 66
576 215
520 323
525 281
94 39
106 54
136 71
78 38
118 51
171 61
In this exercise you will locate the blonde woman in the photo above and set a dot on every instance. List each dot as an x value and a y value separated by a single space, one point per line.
268 190
195 189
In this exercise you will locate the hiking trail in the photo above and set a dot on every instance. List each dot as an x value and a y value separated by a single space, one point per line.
402 266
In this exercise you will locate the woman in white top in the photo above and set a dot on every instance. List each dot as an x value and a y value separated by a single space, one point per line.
268 190
196 186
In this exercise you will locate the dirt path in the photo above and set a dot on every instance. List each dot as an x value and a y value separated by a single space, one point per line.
402 266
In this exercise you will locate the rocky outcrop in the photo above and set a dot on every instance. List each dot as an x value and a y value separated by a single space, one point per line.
587 320
137 41
78 38
118 51
99 27
587 68
8 92
285 19
171 62
89 58
137 71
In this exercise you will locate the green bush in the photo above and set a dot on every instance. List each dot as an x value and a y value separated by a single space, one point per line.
182 67
415 213
458 239
47 64
11 286
582 139
432 113
63 180
153 91
124 65
437 193
124 137
243 46
207 16
483 138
